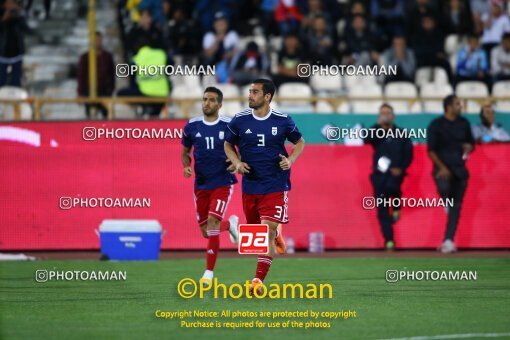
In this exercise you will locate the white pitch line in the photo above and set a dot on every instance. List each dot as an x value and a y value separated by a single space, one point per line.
455 336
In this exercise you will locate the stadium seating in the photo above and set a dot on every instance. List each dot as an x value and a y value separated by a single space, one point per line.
355 80
430 75
502 88
472 89
54 46
62 111
402 90
365 91
298 91
432 90
452 44
209 80
6 110
230 108
186 92
323 107
325 84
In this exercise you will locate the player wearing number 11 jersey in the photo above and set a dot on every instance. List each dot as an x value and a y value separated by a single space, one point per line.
260 134
214 181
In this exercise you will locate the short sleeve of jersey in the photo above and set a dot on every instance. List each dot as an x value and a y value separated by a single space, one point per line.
292 134
232 133
186 137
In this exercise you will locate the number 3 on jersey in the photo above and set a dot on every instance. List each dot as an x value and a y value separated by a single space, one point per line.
281 212
262 139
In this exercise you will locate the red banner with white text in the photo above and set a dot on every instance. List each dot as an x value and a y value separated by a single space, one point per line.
43 162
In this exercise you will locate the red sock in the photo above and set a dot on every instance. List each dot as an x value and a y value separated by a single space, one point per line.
224 225
213 246
263 264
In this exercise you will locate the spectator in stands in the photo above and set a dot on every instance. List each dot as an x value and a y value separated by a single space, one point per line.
450 141
205 11
489 131
249 65
105 76
155 7
359 41
267 17
132 7
415 15
313 9
246 12
47 8
220 45
148 85
458 16
182 34
12 44
428 46
289 58
402 57
472 61
146 31
358 8
391 158
389 16
495 25
480 7
500 59
288 16
319 42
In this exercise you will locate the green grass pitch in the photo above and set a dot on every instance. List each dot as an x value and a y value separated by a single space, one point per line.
126 309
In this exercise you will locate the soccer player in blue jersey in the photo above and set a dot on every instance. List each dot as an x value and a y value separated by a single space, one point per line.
214 178
260 133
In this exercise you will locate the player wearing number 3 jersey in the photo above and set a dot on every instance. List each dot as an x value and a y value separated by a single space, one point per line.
260 134
214 180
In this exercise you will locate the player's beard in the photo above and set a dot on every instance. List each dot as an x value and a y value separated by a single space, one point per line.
209 112
255 105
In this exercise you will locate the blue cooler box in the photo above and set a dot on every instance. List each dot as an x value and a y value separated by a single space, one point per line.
130 240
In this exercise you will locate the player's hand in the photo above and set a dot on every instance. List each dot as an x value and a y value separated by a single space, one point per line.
285 163
188 171
466 150
443 173
396 171
242 168
231 168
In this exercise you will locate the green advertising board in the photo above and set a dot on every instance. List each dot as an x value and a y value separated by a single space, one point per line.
314 126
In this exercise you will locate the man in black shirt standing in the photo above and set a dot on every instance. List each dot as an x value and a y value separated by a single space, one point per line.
450 142
392 156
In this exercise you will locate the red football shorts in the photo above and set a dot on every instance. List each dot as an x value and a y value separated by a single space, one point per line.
272 207
212 202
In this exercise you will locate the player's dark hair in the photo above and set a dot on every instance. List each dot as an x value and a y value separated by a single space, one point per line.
217 91
267 87
448 101
386 105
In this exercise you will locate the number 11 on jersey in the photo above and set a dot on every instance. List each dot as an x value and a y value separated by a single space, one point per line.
210 142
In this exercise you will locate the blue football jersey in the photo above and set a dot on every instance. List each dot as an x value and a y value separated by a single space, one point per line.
260 142
207 140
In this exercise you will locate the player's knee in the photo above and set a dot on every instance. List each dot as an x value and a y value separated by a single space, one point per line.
272 226
213 223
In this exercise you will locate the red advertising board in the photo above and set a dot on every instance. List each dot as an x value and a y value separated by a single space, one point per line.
43 162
